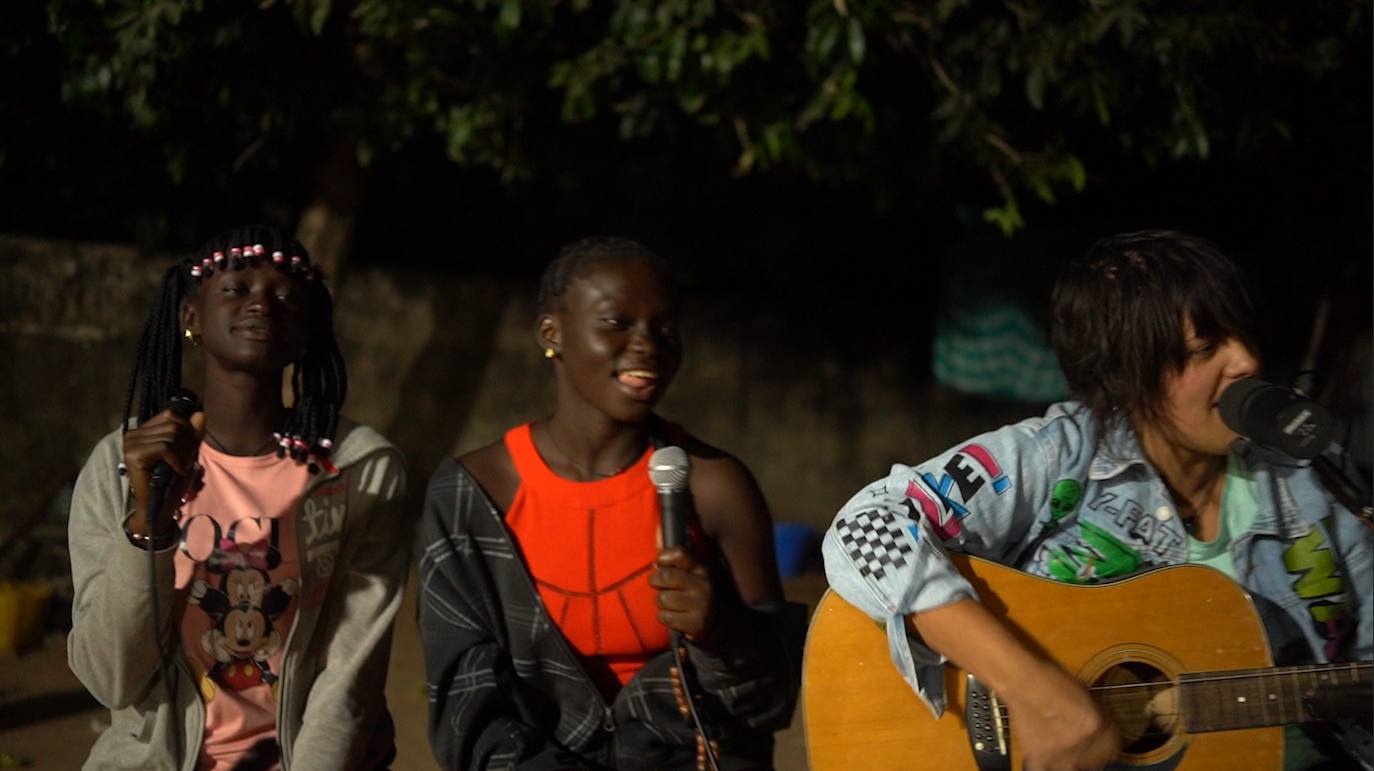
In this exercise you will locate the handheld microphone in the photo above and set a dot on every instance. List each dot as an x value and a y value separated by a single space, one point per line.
1277 418
184 403
669 470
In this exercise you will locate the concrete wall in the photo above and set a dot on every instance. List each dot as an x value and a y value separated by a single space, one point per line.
443 363
69 315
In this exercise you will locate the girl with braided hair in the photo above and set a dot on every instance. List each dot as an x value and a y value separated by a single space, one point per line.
241 617
547 602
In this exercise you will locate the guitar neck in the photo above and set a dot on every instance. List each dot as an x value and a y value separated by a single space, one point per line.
1249 698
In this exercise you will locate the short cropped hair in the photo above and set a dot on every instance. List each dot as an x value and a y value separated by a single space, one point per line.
578 258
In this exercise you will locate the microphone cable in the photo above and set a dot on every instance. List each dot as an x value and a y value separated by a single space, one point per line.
184 403
163 654
669 469
676 641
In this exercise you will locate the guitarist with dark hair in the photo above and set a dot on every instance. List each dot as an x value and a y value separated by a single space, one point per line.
1138 472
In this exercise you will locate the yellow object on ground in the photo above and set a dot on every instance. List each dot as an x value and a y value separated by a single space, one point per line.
23 607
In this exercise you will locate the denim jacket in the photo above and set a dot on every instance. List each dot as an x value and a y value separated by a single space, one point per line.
1045 497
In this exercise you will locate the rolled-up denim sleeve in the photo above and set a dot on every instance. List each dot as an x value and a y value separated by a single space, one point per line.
888 564
886 552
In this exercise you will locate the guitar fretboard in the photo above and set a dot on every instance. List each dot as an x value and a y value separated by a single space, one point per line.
1249 698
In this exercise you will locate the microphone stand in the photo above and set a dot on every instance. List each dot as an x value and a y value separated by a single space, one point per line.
1336 481
1333 479
1345 491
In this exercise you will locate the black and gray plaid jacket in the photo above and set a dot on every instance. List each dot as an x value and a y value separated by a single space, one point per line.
506 691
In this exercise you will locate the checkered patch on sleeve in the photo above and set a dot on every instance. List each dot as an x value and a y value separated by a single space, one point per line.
874 541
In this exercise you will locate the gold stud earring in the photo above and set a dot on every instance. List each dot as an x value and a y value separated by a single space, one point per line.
550 353
193 338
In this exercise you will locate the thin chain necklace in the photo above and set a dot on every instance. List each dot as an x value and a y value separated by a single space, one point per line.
214 440
548 429
1215 492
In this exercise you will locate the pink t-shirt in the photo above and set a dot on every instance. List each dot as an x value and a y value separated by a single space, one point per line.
237 577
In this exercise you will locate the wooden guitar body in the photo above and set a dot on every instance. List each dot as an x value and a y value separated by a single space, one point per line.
860 714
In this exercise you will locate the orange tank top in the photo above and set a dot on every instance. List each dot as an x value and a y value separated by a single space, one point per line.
590 547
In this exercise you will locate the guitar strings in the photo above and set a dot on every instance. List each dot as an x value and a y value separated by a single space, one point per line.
1135 694
1149 734
1154 733
1353 667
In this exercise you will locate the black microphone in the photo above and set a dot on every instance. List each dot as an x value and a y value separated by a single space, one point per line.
1277 418
669 470
184 403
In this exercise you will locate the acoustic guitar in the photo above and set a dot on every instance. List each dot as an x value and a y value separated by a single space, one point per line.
1186 626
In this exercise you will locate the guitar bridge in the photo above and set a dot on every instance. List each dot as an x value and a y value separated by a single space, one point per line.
985 722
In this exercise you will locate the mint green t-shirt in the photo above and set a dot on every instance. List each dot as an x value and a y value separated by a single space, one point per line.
1239 508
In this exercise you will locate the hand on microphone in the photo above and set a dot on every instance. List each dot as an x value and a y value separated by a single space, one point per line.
686 601
166 437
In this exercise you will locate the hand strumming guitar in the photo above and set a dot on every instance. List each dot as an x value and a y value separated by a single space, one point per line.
1054 721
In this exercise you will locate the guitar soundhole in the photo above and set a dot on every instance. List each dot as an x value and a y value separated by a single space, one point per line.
1126 690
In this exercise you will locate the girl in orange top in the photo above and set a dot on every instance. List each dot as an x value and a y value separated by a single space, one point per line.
572 494
591 547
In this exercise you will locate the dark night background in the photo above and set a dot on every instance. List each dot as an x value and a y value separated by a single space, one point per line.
819 172
866 207
154 125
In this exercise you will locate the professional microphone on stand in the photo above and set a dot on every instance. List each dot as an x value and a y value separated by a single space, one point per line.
1277 418
1290 422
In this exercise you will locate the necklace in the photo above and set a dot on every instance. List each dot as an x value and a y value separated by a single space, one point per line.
1193 518
262 450
548 429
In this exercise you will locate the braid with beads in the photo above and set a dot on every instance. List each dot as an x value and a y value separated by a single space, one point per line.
319 382
158 356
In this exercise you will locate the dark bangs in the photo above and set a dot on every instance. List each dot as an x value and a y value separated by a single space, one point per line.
1118 317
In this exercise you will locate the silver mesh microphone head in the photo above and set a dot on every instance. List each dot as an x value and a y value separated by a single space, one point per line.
669 469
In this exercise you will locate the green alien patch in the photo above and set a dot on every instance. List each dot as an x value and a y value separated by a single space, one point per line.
1064 499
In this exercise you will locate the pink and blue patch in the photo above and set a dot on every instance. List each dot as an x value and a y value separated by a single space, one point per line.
1000 483
945 528
942 510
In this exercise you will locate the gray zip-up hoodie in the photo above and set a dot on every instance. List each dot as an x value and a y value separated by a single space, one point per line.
354 543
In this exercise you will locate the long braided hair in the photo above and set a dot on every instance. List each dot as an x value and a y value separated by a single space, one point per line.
319 382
